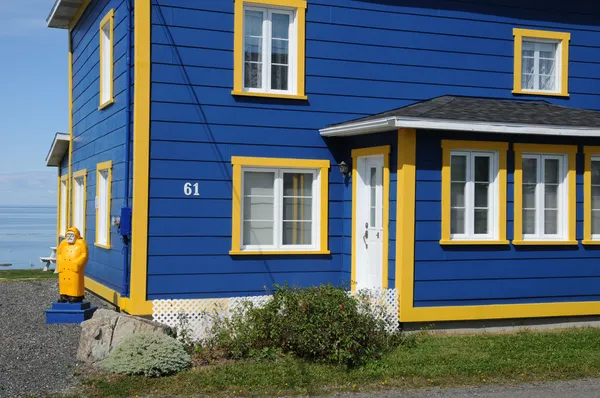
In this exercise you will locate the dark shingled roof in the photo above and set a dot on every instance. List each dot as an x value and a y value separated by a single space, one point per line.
488 110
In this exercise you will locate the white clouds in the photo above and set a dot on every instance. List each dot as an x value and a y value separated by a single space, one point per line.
28 188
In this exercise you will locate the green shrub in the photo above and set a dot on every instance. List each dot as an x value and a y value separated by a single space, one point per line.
320 323
150 354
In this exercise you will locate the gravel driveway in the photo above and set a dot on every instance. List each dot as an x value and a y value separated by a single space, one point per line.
35 358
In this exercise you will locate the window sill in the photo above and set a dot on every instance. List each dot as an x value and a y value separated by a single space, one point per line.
546 93
269 95
473 242
545 242
590 242
102 246
106 104
278 253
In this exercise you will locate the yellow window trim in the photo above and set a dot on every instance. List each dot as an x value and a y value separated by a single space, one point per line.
239 162
571 152
545 242
62 179
238 51
100 167
77 175
109 18
563 38
501 148
589 152
373 151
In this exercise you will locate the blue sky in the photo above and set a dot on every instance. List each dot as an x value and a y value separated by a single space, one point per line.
33 98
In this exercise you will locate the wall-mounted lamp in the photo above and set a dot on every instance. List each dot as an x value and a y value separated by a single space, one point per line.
344 169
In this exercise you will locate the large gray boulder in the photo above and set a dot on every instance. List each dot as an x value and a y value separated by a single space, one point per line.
107 329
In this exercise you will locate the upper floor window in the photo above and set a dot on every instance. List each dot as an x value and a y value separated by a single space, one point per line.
473 192
541 62
269 48
106 59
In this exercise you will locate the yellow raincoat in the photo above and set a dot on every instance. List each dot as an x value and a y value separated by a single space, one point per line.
71 260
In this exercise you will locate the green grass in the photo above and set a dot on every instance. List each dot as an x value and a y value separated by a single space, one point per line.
23 274
435 360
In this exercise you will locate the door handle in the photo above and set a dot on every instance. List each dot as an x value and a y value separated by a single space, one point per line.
366 235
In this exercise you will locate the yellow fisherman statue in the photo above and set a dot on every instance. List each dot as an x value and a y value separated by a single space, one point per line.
71 257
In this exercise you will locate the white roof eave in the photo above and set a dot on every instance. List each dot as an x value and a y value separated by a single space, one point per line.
60 146
62 13
395 122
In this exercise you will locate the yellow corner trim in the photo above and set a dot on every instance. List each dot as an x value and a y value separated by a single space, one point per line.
269 95
545 242
563 38
106 104
238 51
280 162
473 242
278 253
80 173
384 151
405 216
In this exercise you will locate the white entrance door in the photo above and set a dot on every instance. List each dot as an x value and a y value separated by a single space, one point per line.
369 218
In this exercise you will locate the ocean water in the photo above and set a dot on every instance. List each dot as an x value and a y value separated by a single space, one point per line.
26 234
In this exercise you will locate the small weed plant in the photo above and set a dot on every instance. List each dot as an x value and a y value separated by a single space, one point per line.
149 354
321 323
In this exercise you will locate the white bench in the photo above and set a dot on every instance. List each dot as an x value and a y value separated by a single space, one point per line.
51 259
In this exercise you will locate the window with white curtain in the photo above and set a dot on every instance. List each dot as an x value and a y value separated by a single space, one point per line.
103 198
540 65
269 44
473 195
79 203
280 209
544 196
106 59
595 199
62 227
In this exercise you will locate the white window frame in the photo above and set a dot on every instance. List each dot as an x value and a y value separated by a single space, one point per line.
79 208
493 196
563 198
267 49
278 210
594 158
557 66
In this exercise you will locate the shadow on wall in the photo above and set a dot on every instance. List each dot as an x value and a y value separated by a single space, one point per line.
576 12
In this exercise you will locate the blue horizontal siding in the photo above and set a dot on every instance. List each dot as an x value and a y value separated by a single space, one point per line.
99 135
361 58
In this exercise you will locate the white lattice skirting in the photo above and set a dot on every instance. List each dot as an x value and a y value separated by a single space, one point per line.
196 316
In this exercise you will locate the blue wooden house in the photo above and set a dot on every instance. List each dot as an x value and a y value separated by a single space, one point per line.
448 149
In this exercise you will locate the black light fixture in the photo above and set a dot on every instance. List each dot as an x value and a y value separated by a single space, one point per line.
344 169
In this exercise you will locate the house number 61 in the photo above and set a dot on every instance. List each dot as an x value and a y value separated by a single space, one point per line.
190 189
